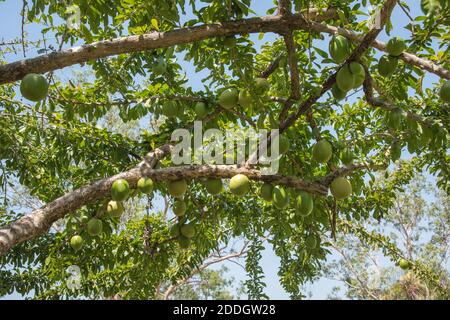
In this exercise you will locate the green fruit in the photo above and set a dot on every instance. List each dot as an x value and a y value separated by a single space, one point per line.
322 151
175 230
262 85
280 198
229 42
396 46
394 119
359 74
114 208
120 190
228 99
347 156
283 144
160 67
404 264
339 48
345 80
179 208
267 191
34 87
341 188
245 99
338 94
200 109
145 185
94 227
387 65
311 241
239 185
188 230
76 242
184 242
177 188
214 186
170 109
304 204
396 151
444 93
430 7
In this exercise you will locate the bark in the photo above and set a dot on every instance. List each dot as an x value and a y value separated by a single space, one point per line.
279 24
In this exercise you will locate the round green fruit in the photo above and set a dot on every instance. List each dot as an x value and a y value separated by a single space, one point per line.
338 94
430 7
347 156
200 109
339 48
396 46
341 188
444 93
262 85
177 188
184 242
214 186
394 119
239 184
229 42
280 198
404 264
387 65
120 190
267 191
170 109
34 87
114 208
145 185
358 72
245 99
283 144
188 230
160 67
94 227
311 242
322 151
304 204
229 98
179 208
175 230
345 79
76 242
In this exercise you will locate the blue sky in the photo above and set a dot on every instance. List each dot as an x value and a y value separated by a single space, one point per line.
11 28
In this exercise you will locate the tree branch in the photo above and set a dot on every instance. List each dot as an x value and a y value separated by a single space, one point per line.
39 221
279 24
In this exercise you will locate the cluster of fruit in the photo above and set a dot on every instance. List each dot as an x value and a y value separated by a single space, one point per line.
120 191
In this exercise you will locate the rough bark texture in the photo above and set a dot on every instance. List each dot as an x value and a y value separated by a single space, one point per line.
279 24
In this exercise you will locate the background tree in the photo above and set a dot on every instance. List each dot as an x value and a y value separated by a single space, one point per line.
418 225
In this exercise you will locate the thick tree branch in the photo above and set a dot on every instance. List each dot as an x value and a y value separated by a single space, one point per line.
154 40
227 171
39 221
356 54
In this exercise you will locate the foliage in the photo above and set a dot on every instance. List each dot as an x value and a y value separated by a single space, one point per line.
72 138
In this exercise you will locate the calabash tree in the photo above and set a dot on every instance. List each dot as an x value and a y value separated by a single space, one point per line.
331 146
